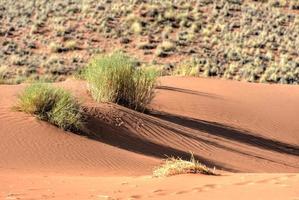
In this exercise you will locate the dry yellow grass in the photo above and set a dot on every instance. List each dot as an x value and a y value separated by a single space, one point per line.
174 166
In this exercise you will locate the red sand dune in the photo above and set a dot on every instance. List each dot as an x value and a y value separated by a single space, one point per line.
234 126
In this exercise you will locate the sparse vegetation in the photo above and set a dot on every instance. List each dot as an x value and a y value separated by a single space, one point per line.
254 41
174 166
186 68
51 104
71 45
2 74
117 78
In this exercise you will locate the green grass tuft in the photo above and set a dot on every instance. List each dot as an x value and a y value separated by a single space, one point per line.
51 104
116 78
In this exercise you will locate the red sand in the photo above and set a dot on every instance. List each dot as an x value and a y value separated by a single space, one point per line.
235 126
232 186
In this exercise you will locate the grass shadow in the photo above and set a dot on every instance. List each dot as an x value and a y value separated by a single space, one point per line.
230 133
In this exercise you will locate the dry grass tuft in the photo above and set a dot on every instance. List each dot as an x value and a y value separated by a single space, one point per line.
175 166
3 70
186 68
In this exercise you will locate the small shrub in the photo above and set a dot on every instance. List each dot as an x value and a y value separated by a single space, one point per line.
116 78
175 166
168 46
71 45
136 28
160 52
3 71
55 48
170 15
186 68
51 104
60 30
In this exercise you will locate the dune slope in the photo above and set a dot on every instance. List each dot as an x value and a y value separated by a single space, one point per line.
233 126
30 145
228 125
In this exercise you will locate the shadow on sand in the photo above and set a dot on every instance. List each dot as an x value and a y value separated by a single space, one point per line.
118 126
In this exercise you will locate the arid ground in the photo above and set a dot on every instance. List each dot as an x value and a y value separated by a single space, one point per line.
227 97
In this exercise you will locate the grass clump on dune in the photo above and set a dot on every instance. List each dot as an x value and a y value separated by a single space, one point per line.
174 166
116 78
51 104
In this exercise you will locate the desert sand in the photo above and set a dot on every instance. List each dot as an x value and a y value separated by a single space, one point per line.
249 132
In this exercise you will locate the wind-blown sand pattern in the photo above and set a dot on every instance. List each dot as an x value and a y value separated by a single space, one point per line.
232 186
233 126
